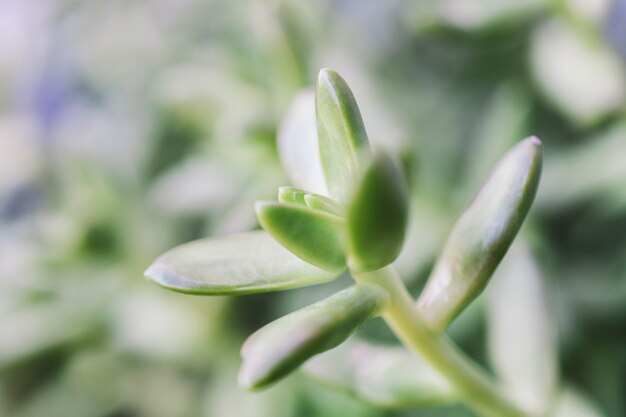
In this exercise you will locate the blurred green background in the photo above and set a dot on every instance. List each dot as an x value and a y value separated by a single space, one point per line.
127 127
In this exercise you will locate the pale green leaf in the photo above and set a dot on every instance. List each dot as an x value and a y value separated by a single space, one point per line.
314 236
482 235
341 134
239 264
283 345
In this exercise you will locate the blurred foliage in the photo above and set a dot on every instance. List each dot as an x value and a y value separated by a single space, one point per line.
127 127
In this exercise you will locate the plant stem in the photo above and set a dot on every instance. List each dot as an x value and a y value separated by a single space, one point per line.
476 388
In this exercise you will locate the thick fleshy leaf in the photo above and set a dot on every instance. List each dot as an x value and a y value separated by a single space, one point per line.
482 235
283 345
378 215
238 264
341 134
521 334
322 203
291 195
383 376
314 236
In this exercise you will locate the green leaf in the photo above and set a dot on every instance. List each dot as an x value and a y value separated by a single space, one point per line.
239 264
322 203
291 195
378 215
482 235
283 345
341 134
314 236
384 376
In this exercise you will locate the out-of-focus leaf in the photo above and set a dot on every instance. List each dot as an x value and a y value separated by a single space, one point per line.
571 404
173 329
298 145
481 15
588 13
39 328
573 175
389 377
322 203
582 77
283 345
482 235
91 386
314 236
378 215
291 195
341 134
196 186
238 264
521 335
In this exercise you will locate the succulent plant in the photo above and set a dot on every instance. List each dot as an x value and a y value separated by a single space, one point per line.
359 227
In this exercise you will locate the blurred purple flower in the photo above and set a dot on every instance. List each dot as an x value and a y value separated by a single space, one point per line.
615 26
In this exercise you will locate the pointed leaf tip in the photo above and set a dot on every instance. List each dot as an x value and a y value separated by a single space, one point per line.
283 345
341 133
482 235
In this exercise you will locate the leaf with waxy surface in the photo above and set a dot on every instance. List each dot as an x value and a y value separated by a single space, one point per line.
314 236
239 264
378 215
482 235
341 134
283 345
384 376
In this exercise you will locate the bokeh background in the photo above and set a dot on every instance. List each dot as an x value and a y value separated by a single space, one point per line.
128 126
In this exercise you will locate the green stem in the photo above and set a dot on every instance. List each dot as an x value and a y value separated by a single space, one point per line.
476 388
